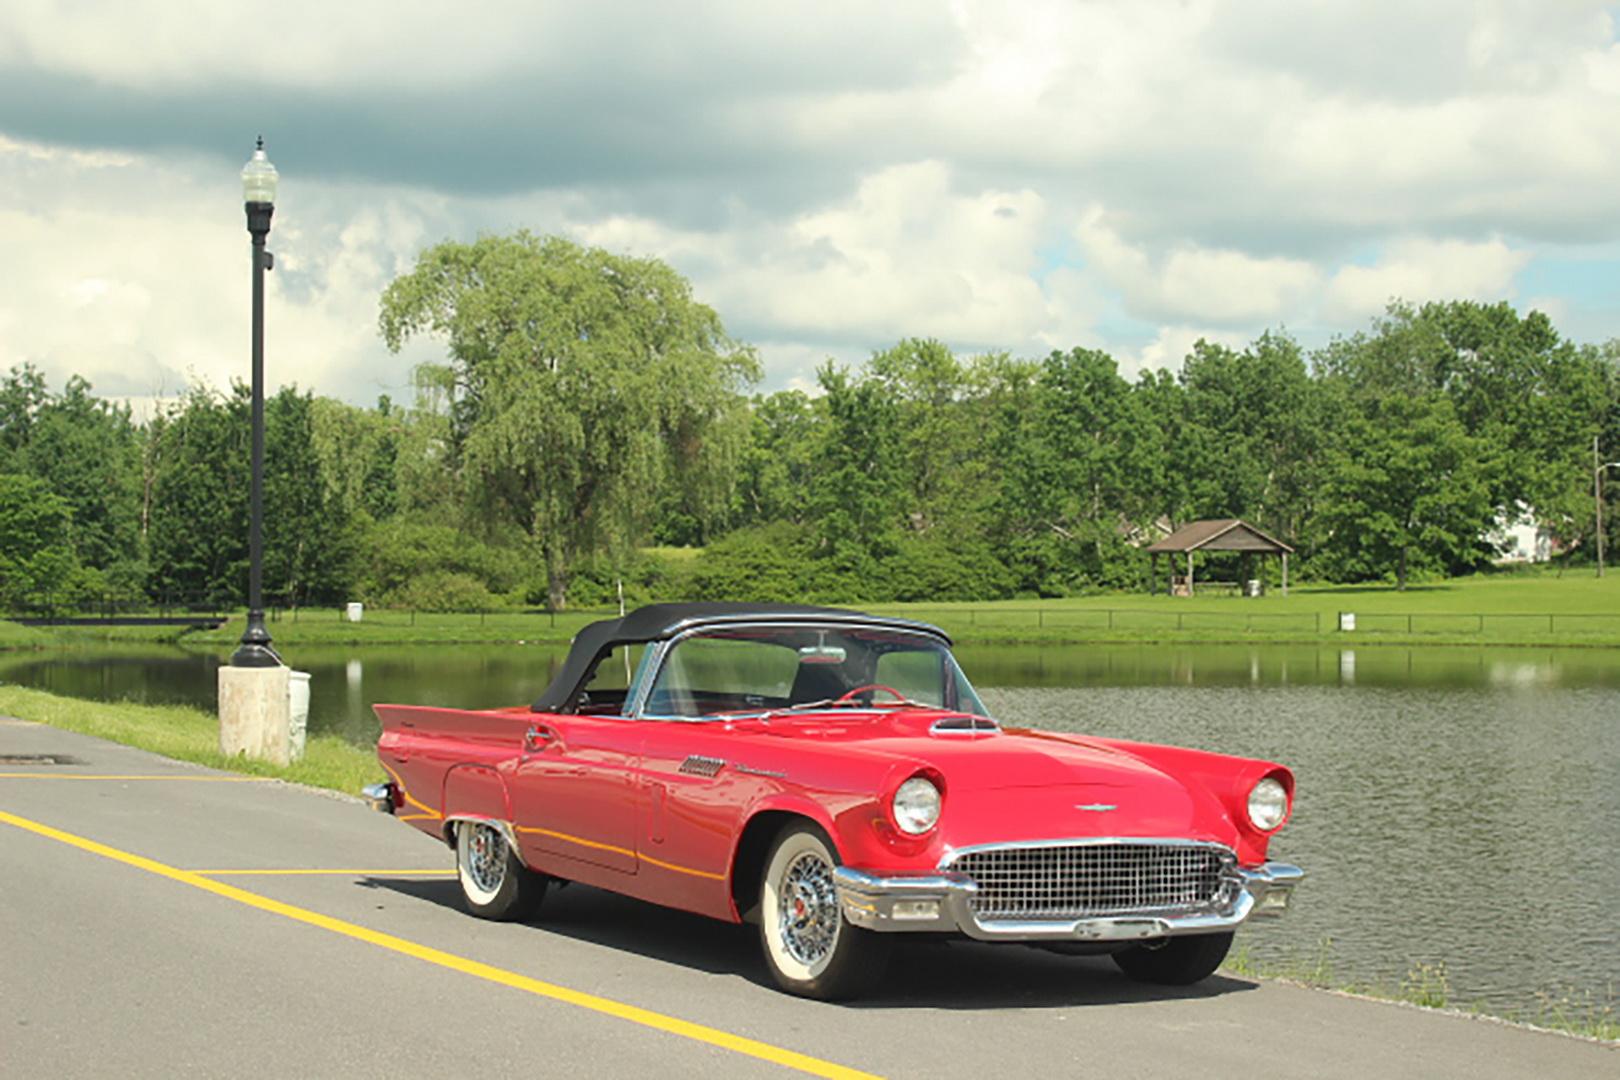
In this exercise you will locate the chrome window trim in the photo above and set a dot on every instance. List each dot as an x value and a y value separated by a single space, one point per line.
694 626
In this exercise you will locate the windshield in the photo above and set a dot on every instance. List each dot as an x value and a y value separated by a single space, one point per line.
757 669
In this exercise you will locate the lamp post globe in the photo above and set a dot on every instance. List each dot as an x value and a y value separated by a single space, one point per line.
259 199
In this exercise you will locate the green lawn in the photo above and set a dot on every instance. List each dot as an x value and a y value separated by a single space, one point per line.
189 735
1527 608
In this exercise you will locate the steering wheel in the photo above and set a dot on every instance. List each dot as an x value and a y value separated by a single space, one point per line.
851 695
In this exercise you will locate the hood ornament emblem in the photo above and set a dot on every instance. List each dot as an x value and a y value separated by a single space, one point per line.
1096 807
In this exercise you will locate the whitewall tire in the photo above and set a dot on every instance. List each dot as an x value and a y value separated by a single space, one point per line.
494 882
809 947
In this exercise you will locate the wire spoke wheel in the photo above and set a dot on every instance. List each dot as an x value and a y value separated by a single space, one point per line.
486 864
809 909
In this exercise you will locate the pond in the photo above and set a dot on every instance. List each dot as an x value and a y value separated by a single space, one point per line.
1457 806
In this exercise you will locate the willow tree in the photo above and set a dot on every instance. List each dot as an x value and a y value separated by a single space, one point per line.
583 384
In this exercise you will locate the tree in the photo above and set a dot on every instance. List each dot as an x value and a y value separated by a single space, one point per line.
777 463
22 394
36 562
197 533
87 451
940 442
855 497
1250 432
1406 484
310 543
580 383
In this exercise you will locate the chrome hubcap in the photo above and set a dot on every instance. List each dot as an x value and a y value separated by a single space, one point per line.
486 858
809 909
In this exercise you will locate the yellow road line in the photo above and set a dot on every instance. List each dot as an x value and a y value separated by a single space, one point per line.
345 873
686 1029
120 776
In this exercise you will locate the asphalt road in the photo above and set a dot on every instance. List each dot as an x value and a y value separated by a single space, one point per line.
145 931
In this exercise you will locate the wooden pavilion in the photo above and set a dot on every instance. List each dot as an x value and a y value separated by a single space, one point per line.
1217 534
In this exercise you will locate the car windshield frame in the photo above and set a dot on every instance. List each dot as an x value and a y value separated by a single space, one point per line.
953 681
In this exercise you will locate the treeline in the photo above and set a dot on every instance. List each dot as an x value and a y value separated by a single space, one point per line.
919 475
1388 454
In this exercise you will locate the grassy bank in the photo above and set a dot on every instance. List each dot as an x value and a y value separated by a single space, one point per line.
1502 609
189 735
13 636
1428 986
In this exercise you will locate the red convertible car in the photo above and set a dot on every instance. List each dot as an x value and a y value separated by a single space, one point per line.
833 777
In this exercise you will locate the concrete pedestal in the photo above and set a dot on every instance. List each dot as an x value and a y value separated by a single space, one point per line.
255 714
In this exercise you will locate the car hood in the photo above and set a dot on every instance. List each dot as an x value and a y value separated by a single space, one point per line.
1029 784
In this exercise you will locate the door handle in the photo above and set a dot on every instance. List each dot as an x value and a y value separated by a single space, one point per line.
538 737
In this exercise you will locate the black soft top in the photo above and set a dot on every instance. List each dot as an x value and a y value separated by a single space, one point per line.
656 622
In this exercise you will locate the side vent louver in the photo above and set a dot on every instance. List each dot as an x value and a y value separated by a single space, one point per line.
697 765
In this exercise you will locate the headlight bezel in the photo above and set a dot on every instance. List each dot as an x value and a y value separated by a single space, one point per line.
1268 804
908 820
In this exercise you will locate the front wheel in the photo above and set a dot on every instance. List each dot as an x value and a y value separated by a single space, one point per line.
1179 961
494 882
808 946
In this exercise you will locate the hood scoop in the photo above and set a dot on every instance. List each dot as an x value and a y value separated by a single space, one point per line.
963 724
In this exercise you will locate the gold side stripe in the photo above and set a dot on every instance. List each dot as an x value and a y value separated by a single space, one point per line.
430 814
618 851
634 1014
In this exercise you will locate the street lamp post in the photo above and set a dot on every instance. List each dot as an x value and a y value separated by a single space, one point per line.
259 195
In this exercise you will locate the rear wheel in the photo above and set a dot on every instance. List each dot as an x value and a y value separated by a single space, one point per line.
1179 961
808 946
494 882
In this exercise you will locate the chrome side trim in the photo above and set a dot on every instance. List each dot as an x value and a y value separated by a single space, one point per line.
380 797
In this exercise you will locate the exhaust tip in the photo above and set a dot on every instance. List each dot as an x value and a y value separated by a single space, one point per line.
380 797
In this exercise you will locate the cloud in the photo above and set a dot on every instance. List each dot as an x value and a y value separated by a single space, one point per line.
145 303
831 176
1191 282
1421 270
906 254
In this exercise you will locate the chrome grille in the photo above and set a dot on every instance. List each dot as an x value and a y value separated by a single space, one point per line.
1068 881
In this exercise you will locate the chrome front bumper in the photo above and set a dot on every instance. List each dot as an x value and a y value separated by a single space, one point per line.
942 902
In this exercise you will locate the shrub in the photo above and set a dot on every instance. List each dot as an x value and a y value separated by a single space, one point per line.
444 590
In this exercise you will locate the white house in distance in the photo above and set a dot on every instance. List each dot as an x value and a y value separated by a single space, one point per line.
1519 538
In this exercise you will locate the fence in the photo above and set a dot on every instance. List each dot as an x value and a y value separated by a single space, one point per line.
959 619
1483 624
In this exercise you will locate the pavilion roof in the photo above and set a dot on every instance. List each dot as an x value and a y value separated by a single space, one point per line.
1220 534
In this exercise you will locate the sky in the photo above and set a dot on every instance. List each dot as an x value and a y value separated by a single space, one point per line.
832 177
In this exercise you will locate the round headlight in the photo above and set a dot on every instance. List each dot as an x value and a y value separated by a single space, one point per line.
916 806
1268 805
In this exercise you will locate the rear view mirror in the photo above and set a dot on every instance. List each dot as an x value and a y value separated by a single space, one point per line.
822 654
